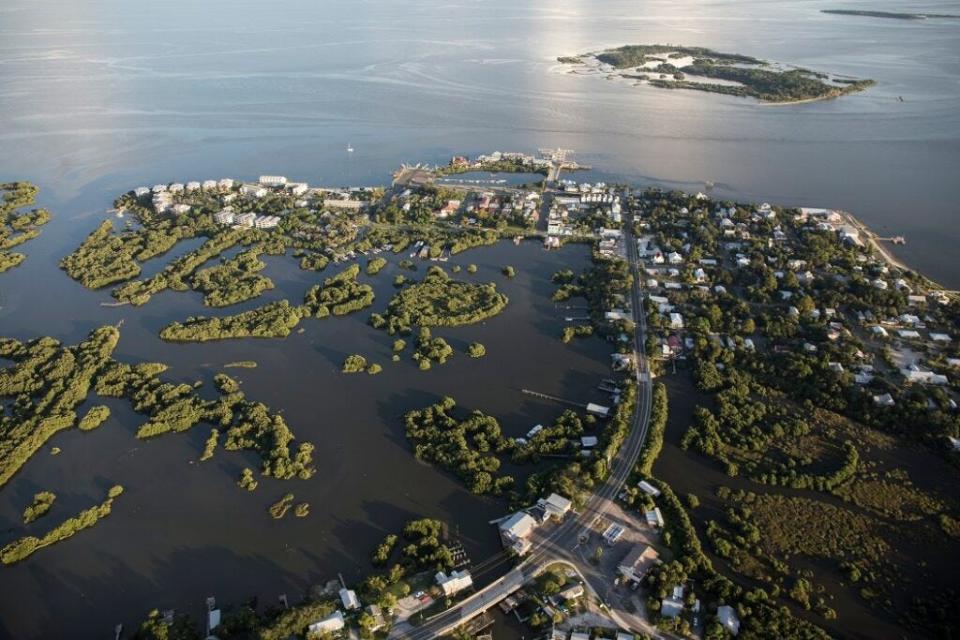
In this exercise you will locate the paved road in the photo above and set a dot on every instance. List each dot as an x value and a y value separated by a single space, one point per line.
559 542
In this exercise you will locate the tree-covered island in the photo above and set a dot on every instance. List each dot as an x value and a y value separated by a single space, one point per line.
700 69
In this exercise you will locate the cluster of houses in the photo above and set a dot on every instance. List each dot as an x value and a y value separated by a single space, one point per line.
167 198
577 201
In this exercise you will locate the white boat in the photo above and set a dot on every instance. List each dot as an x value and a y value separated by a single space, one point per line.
349 148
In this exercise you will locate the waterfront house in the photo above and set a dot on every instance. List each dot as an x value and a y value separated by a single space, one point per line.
209 185
515 530
225 183
141 191
176 187
330 624
272 181
598 410
193 185
648 488
454 583
349 599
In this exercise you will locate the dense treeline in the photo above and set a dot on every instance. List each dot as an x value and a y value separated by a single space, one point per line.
18 227
174 275
273 320
658 424
467 447
24 547
49 382
440 301
236 280
339 295
42 502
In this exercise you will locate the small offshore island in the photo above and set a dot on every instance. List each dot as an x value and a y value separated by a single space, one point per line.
779 454
892 15
700 69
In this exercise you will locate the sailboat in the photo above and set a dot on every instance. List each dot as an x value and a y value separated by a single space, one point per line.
349 148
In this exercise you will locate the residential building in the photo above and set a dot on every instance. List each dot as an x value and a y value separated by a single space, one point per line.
224 217
272 181
556 505
245 219
654 518
638 561
454 583
330 624
349 599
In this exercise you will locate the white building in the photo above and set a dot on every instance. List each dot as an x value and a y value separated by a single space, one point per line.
676 321
648 488
349 599
456 582
588 442
272 181
252 190
180 209
515 530
193 185
266 222
245 219
331 623
141 191
209 185
176 187
224 217
654 518
225 183
556 505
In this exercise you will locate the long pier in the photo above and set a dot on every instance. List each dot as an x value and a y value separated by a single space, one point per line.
547 396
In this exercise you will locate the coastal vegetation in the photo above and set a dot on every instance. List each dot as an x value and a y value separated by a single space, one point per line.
48 382
375 266
236 280
466 447
210 445
354 363
476 350
273 320
279 508
22 548
95 417
247 480
17 227
431 350
42 502
439 300
339 295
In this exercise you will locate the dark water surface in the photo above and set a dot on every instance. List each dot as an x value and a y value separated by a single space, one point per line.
99 97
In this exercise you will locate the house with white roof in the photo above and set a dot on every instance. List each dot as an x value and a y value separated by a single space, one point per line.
349 599
454 583
330 624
